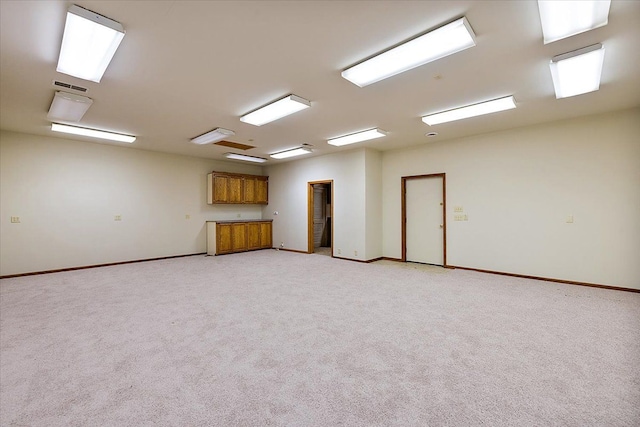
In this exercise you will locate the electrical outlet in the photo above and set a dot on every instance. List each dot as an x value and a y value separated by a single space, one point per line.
465 217
187 216
339 251
15 219
239 215
117 218
355 253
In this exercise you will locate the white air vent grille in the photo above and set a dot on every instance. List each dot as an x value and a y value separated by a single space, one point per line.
69 86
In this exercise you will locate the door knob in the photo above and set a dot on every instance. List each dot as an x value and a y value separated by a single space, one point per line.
441 226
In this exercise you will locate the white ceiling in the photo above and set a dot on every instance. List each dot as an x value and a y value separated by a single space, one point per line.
186 67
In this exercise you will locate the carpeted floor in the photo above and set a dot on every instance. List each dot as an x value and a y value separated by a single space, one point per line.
275 338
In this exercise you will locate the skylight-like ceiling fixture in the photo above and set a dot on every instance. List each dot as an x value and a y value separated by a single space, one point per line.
577 72
292 153
436 44
68 107
94 133
562 18
500 104
365 135
89 42
218 134
244 157
276 110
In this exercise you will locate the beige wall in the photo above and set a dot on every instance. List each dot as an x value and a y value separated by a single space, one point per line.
67 193
518 187
288 196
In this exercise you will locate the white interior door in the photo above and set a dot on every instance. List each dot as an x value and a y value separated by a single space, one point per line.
425 235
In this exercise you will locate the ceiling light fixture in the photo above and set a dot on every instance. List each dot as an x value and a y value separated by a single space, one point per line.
94 133
561 18
292 153
68 107
244 157
89 42
357 137
577 72
487 107
218 134
276 110
436 44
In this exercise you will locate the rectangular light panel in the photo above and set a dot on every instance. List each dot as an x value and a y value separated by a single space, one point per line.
562 18
245 158
276 110
577 72
218 134
68 107
500 104
74 130
291 153
88 44
441 42
357 137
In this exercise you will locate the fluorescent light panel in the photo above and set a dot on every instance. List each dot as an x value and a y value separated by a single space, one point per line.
218 134
94 133
244 157
500 104
89 42
561 18
436 44
292 153
577 72
276 110
68 107
357 137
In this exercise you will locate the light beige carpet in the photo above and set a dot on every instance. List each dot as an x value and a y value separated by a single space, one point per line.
275 338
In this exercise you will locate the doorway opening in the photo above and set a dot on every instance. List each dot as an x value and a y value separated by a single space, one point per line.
320 222
424 225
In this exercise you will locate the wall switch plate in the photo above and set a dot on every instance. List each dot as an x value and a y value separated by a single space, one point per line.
569 219
15 220
117 218
457 209
187 216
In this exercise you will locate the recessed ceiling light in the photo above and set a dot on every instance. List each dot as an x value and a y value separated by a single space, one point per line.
577 72
245 158
68 107
218 134
474 110
276 110
436 44
94 133
357 137
291 153
88 44
561 18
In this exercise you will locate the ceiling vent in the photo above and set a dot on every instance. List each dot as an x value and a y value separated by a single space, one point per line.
69 86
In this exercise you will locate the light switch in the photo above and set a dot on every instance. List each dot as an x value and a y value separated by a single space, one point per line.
15 219
458 209
569 219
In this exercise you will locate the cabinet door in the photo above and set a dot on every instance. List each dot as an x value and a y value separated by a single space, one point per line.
223 238
220 189
262 191
253 235
239 237
249 190
265 235
235 189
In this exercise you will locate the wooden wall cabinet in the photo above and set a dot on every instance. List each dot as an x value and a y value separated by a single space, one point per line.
230 188
231 237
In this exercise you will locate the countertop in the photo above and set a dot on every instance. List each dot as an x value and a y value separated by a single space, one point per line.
222 221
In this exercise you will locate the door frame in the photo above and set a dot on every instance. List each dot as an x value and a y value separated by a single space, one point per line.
444 212
310 248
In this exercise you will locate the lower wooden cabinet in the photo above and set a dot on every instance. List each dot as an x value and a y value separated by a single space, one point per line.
231 237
